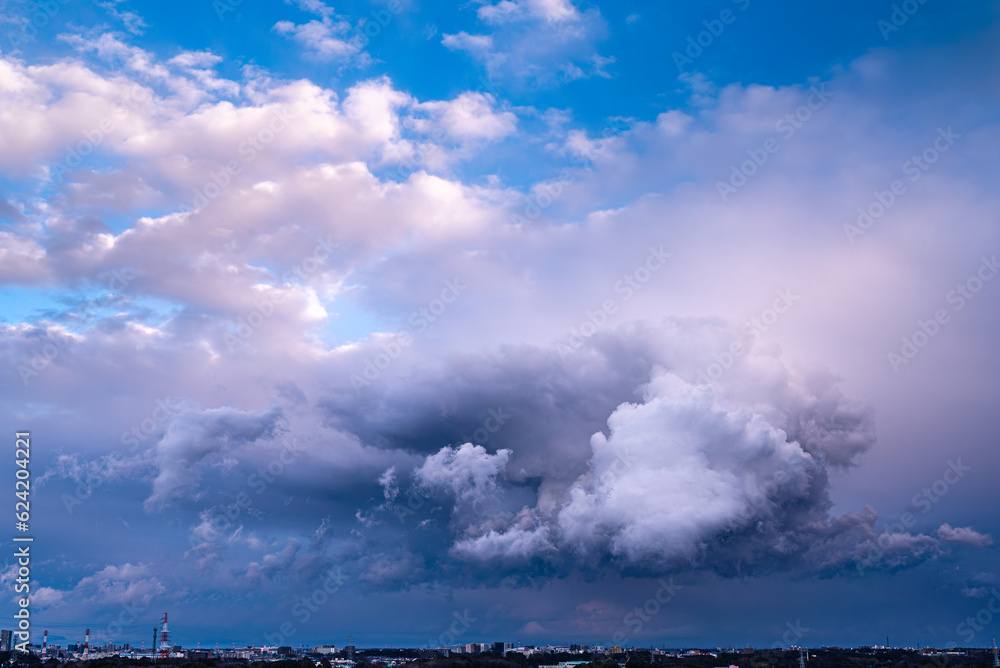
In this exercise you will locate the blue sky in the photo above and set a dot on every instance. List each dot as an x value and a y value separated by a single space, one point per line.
516 311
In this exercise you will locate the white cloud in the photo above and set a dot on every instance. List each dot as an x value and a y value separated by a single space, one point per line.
468 472
554 11
679 469
325 39
478 45
963 536
193 438
120 584
531 40
470 116
331 38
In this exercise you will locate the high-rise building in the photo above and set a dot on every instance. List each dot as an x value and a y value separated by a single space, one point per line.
6 638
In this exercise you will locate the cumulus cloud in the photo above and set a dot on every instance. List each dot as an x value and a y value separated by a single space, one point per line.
679 469
730 476
555 11
963 536
192 439
325 39
275 562
468 117
533 39
468 472
120 584
622 451
329 38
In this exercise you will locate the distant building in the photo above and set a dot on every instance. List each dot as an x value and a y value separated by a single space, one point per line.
286 651
616 649
6 638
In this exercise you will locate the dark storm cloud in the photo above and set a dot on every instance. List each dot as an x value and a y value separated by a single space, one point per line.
614 456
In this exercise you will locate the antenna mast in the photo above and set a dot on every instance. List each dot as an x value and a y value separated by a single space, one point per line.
164 639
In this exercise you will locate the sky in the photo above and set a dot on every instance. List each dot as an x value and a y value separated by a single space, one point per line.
535 321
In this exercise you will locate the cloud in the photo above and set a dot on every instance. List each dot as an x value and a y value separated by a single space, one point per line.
731 476
328 39
470 116
468 472
347 222
194 439
132 21
325 39
677 470
533 39
120 584
274 563
553 11
963 536
477 45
